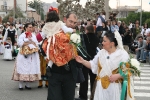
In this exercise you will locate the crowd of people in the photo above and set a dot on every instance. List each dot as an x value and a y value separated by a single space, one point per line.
34 47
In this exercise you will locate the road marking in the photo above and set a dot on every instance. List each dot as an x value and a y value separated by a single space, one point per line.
148 78
142 87
141 94
142 82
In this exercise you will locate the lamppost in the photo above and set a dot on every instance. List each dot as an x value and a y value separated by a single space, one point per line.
5 6
141 15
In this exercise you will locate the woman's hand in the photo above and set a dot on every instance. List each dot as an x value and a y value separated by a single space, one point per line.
79 59
114 77
87 64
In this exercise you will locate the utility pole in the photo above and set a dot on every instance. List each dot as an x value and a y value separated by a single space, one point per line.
141 15
5 6
107 8
14 11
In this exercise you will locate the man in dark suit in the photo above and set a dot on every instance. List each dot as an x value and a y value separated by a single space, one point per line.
62 82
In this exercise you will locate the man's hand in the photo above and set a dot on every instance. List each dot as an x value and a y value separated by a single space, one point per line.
74 30
137 49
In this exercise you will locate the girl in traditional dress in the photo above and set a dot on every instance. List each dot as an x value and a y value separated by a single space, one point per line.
8 49
27 69
105 64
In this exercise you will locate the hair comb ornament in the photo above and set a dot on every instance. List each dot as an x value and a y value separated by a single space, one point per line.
53 9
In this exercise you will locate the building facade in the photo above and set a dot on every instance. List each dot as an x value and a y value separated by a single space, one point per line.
8 5
123 11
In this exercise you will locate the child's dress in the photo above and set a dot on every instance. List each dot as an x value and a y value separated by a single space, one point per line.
7 51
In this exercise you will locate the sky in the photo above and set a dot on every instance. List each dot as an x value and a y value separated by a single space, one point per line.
113 3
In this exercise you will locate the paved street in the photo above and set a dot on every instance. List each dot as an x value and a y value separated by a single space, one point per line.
9 89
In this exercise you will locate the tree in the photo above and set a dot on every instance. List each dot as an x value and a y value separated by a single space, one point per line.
38 5
148 21
18 14
136 16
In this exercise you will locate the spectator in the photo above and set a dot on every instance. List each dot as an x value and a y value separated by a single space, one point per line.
144 29
104 29
91 43
140 49
94 25
108 23
130 25
136 30
111 17
103 14
146 51
121 30
114 26
127 39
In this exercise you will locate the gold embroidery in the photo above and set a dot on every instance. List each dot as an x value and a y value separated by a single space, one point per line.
105 80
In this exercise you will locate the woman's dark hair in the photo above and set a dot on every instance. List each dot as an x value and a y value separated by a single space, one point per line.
90 29
26 25
52 16
94 22
42 25
103 12
33 24
82 22
11 24
140 37
111 37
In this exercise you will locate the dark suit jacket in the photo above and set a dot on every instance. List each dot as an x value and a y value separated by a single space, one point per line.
91 42
74 68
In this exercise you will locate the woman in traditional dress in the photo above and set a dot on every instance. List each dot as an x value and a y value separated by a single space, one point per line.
105 64
27 69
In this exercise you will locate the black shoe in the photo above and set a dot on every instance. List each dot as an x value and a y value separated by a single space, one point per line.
21 89
79 99
28 88
46 86
40 86
144 61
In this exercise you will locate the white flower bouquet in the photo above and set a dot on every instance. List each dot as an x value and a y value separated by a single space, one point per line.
126 70
75 39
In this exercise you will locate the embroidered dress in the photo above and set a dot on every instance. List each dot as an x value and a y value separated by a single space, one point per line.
57 46
27 69
109 63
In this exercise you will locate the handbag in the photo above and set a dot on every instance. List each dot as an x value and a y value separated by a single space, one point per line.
80 76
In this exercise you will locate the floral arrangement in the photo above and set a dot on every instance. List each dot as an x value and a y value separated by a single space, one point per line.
127 69
75 39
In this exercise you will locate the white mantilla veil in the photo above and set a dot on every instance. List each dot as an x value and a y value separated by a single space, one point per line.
120 46
119 39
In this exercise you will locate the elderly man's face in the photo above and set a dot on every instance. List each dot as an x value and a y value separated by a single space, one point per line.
71 21
118 23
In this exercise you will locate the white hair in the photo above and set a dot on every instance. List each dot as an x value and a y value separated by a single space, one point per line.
119 22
